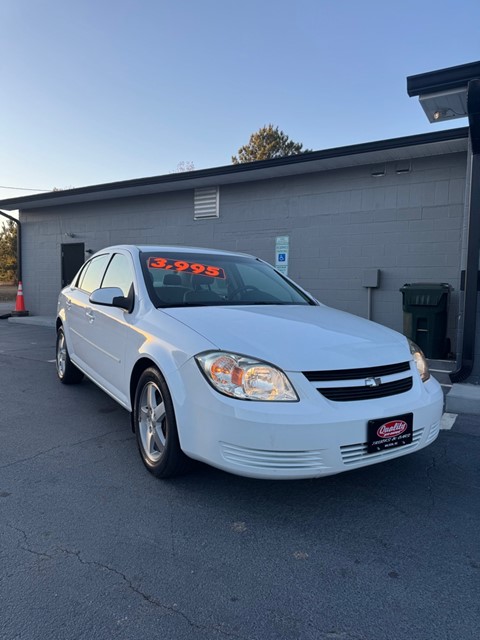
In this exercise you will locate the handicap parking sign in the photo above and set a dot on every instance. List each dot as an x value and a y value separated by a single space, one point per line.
281 253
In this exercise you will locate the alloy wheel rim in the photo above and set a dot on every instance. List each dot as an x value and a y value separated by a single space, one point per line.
152 422
61 356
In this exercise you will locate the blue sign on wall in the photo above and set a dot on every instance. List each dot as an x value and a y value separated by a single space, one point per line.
281 253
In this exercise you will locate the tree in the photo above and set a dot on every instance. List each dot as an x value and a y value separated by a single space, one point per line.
266 143
8 252
185 165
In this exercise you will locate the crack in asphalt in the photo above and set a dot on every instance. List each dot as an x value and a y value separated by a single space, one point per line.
60 446
37 455
150 599
27 547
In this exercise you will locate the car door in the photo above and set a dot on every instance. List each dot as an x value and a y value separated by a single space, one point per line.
110 328
79 318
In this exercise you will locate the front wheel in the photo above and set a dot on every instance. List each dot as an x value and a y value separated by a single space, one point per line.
156 428
67 372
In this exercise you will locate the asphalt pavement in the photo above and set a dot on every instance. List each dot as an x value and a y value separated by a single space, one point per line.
93 547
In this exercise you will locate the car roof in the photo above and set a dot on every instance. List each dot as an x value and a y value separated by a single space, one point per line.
154 248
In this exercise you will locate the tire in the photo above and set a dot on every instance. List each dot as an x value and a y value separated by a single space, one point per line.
67 372
156 427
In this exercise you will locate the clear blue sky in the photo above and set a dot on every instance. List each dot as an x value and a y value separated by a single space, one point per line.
96 91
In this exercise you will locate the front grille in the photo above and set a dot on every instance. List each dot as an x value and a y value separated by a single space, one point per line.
263 459
355 453
348 394
434 431
357 374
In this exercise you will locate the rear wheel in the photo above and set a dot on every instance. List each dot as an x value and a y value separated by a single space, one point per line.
156 427
67 372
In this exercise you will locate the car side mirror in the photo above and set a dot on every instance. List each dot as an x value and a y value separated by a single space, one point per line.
113 297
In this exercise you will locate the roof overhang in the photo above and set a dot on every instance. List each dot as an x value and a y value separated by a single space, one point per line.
443 93
406 148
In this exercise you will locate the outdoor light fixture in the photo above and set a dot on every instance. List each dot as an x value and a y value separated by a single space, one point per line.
447 114
445 105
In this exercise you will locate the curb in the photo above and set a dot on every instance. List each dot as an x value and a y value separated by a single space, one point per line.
39 321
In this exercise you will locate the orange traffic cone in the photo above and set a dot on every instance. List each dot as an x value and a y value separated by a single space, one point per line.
20 303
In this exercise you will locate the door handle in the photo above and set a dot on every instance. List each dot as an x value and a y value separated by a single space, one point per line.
90 315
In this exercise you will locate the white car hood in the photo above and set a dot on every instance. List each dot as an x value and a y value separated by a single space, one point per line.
296 338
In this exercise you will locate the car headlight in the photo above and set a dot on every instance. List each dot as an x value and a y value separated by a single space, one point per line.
420 361
245 378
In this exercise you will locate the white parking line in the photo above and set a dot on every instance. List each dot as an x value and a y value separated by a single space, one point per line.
448 420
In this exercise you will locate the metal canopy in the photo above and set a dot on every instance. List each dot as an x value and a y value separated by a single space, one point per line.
445 105
443 93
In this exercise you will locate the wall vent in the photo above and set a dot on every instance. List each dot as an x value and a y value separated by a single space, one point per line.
206 203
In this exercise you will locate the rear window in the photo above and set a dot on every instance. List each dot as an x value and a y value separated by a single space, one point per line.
178 279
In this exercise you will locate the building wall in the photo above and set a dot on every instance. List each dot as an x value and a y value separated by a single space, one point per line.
339 222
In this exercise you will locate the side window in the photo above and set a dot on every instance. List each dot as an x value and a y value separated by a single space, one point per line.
119 274
81 275
91 276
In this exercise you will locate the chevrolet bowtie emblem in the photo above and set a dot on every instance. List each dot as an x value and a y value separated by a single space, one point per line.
373 382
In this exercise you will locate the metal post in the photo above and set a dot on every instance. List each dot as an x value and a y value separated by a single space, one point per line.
369 303
473 239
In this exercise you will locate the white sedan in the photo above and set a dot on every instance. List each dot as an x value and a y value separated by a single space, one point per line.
221 358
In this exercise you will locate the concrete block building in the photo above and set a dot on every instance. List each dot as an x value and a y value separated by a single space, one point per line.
398 208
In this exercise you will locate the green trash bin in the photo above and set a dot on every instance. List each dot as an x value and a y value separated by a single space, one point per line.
425 313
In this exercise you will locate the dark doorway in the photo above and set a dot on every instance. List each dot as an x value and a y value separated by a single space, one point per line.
73 256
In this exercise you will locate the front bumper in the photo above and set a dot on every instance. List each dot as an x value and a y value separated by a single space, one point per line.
292 440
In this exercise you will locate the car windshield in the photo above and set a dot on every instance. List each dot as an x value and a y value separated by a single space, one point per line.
185 279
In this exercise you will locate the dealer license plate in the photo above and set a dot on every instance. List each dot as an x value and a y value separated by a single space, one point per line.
388 433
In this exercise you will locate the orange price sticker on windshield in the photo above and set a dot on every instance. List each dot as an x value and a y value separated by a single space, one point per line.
189 267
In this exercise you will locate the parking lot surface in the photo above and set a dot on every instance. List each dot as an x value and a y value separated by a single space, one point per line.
93 546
